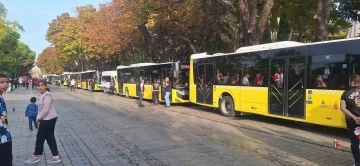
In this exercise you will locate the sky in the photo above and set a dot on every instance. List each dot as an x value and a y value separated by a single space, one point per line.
35 16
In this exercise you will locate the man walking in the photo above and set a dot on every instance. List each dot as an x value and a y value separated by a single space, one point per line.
92 85
140 90
72 85
112 86
34 82
350 105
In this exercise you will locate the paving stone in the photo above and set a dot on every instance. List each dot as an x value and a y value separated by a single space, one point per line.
96 129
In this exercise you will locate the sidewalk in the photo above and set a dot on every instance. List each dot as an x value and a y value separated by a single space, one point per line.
23 138
97 129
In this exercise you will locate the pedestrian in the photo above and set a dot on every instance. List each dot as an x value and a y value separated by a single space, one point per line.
92 85
47 119
16 82
167 87
350 105
27 83
21 83
24 82
112 86
12 82
31 112
140 89
6 156
68 83
72 85
34 82
155 93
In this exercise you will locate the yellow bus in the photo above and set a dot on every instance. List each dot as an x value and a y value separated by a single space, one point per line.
65 76
51 78
77 77
85 78
178 73
288 80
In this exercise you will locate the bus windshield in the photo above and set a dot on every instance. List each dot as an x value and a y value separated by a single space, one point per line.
181 75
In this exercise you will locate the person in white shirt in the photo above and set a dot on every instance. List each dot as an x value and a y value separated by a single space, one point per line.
72 85
141 89
21 82
245 80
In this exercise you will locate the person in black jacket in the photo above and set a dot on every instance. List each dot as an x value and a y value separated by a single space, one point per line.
167 86
350 105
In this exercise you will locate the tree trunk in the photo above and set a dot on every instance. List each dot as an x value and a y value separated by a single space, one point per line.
264 18
247 12
290 34
149 41
322 19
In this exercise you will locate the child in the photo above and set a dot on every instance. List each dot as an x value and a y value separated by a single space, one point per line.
31 112
6 156
47 118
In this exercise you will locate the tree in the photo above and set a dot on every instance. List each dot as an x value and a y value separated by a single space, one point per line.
349 9
322 18
252 17
48 61
123 32
15 56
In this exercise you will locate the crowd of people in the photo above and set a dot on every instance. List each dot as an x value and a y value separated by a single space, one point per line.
166 84
23 82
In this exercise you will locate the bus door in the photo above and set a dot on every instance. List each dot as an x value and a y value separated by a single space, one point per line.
166 72
286 88
204 83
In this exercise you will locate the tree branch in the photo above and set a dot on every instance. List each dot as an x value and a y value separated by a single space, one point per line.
228 7
189 43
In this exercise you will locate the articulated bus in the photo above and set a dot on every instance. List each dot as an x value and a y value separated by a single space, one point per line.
85 79
288 80
178 73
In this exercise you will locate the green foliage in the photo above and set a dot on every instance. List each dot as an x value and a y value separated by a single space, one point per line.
349 9
15 56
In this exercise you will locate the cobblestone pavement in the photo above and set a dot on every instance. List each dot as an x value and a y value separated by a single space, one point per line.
97 129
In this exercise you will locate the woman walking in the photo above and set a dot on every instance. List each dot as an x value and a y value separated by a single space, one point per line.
47 118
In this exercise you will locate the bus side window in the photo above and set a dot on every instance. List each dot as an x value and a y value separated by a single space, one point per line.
328 72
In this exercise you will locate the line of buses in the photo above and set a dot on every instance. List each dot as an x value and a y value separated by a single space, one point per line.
287 80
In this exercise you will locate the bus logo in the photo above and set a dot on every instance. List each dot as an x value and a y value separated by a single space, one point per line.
336 105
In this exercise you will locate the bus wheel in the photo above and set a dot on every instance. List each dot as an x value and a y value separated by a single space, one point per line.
227 106
126 93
